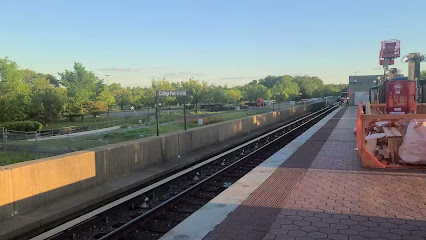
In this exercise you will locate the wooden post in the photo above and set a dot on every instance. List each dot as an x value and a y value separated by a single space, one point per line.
367 108
394 138
362 138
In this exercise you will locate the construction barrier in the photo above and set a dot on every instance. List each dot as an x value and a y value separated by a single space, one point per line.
368 159
365 122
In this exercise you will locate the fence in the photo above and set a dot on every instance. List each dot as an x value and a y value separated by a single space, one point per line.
64 140
12 135
14 142
56 141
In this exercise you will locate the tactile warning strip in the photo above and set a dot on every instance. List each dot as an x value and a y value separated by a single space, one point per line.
253 218
338 199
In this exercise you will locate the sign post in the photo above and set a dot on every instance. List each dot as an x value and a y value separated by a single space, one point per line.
168 93
157 117
184 110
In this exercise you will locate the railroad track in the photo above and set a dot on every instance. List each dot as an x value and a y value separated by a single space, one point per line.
153 211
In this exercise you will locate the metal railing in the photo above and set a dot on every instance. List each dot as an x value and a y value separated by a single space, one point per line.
59 141
36 135
13 142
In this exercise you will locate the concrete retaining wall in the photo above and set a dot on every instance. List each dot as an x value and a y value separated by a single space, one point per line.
6 194
29 185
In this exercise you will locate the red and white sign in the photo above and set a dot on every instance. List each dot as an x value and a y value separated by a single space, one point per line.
390 62
390 49
397 88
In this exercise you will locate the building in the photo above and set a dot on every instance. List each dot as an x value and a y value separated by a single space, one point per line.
359 87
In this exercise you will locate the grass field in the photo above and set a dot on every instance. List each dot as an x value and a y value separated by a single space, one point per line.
89 120
221 117
164 118
7 158
59 146
116 137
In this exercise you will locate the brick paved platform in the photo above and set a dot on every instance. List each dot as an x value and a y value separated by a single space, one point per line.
322 192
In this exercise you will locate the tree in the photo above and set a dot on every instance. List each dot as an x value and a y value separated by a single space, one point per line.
423 75
95 108
106 97
80 85
280 89
137 95
14 93
99 87
286 87
269 81
113 87
290 87
334 89
123 97
53 80
46 100
148 97
26 94
195 91
29 76
310 86
215 94
255 91
164 84
233 95
143 97
73 108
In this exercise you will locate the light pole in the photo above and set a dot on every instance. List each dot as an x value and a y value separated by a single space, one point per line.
107 76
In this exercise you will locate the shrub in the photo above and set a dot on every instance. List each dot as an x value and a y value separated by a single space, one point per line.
25 126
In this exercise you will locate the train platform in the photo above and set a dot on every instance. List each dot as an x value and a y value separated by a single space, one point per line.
315 188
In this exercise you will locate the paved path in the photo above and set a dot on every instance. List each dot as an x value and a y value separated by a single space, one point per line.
140 112
322 192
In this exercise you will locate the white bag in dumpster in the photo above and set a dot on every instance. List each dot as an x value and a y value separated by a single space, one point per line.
413 148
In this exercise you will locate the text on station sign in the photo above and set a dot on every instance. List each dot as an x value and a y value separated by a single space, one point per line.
168 93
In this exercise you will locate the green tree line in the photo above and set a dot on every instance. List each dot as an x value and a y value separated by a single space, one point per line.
28 95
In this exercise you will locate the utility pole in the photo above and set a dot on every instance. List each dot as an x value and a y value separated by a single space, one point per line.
107 76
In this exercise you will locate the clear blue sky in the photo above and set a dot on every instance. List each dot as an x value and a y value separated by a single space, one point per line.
223 42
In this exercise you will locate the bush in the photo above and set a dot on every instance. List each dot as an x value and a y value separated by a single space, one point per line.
25 126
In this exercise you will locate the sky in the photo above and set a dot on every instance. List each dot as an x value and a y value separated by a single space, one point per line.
221 42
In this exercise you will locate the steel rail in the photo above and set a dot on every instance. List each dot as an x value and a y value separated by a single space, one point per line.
136 222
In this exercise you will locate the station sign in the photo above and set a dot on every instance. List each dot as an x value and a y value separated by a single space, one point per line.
170 93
